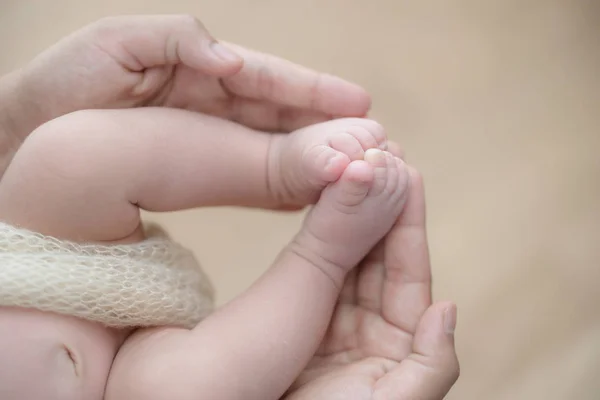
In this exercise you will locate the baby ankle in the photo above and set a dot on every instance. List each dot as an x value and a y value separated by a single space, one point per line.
323 256
276 190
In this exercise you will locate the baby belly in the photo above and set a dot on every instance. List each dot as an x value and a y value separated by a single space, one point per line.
46 356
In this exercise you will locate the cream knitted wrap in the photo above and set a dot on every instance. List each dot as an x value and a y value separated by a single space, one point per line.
154 282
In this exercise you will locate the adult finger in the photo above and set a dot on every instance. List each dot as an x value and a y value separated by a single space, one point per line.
407 288
370 279
265 77
272 117
145 41
432 369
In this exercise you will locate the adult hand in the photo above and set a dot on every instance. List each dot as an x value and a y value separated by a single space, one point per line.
386 340
173 61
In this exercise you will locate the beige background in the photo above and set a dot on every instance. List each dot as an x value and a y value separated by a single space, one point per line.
497 102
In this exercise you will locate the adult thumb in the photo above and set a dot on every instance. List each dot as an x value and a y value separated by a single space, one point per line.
146 41
433 368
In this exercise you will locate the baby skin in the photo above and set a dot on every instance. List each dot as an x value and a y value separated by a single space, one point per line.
84 177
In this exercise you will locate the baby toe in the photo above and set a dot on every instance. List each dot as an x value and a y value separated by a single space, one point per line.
369 138
322 164
370 133
346 143
402 179
353 186
378 159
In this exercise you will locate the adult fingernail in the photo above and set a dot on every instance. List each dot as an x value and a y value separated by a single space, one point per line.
450 319
224 53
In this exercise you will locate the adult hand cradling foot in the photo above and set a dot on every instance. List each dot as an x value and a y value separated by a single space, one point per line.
92 162
386 339
170 61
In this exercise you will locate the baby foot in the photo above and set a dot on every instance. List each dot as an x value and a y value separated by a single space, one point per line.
304 162
354 213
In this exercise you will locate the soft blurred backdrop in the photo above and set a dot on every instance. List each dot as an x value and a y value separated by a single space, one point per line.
497 102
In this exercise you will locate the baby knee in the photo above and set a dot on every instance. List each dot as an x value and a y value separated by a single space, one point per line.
63 146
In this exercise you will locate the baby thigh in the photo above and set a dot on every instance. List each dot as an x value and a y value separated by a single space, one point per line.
59 184
45 356
69 180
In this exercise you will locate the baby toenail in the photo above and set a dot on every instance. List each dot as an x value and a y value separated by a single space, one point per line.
383 146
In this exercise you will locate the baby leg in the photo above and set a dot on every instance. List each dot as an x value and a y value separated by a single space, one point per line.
255 346
81 178
84 176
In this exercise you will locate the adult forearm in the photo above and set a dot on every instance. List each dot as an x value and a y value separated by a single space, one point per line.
10 119
20 113
21 106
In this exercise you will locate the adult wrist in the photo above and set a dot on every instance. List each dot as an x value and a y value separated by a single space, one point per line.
20 112
11 118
